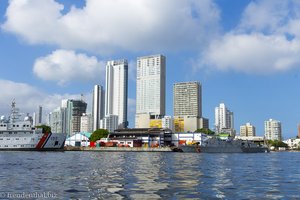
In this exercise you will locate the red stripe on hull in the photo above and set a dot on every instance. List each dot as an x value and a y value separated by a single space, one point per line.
42 141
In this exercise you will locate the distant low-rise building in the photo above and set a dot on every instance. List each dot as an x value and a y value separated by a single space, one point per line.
293 143
189 123
247 130
78 140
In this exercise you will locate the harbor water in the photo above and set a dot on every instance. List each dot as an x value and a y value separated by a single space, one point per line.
149 175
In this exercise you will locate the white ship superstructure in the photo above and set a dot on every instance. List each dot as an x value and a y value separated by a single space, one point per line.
21 135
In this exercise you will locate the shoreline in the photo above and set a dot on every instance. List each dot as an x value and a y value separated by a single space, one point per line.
120 149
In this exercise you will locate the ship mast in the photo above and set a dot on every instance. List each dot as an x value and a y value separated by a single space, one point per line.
14 116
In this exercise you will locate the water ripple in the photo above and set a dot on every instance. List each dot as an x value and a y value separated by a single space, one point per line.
131 175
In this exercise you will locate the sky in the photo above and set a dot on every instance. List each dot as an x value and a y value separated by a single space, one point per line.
245 53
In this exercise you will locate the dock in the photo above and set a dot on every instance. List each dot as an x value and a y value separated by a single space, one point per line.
120 149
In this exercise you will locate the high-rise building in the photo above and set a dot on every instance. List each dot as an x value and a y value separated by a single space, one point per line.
247 130
75 109
58 120
116 91
86 123
98 106
187 99
273 130
150 86
110 122
37 117
224 120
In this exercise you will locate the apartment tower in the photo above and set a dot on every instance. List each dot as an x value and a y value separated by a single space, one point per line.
116 91
273 130
187 99
98 106
224 120
150 87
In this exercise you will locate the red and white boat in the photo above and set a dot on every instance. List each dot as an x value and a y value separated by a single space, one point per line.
18 135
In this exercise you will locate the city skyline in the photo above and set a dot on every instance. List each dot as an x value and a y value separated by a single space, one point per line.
244 53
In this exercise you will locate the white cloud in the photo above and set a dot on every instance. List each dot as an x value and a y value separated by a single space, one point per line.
265 15
266 40
28 98
64 66
253 53
107 26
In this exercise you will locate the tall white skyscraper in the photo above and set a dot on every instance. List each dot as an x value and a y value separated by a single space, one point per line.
116 91
273 130
98 106
150 86
224 120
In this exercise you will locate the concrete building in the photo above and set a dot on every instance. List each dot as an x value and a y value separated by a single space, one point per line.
273 130
146 137
58 120
293 143
116 91
204 123
187 99
142 120
111 122
178 124
166 122
98 106
75 109
224 122
38 116
150 87
188 107
189 124
247 130
86 123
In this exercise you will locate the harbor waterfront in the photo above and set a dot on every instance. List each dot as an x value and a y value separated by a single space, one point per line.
119 149
150 175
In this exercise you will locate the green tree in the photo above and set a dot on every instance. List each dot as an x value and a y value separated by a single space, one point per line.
204 130
98 134
46 129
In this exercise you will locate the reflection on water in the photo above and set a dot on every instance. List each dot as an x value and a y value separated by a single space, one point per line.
141 175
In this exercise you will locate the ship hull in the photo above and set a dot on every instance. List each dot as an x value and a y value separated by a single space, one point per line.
32 141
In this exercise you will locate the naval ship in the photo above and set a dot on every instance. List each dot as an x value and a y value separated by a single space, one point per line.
16 134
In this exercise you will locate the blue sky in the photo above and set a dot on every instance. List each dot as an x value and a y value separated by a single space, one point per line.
245 53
